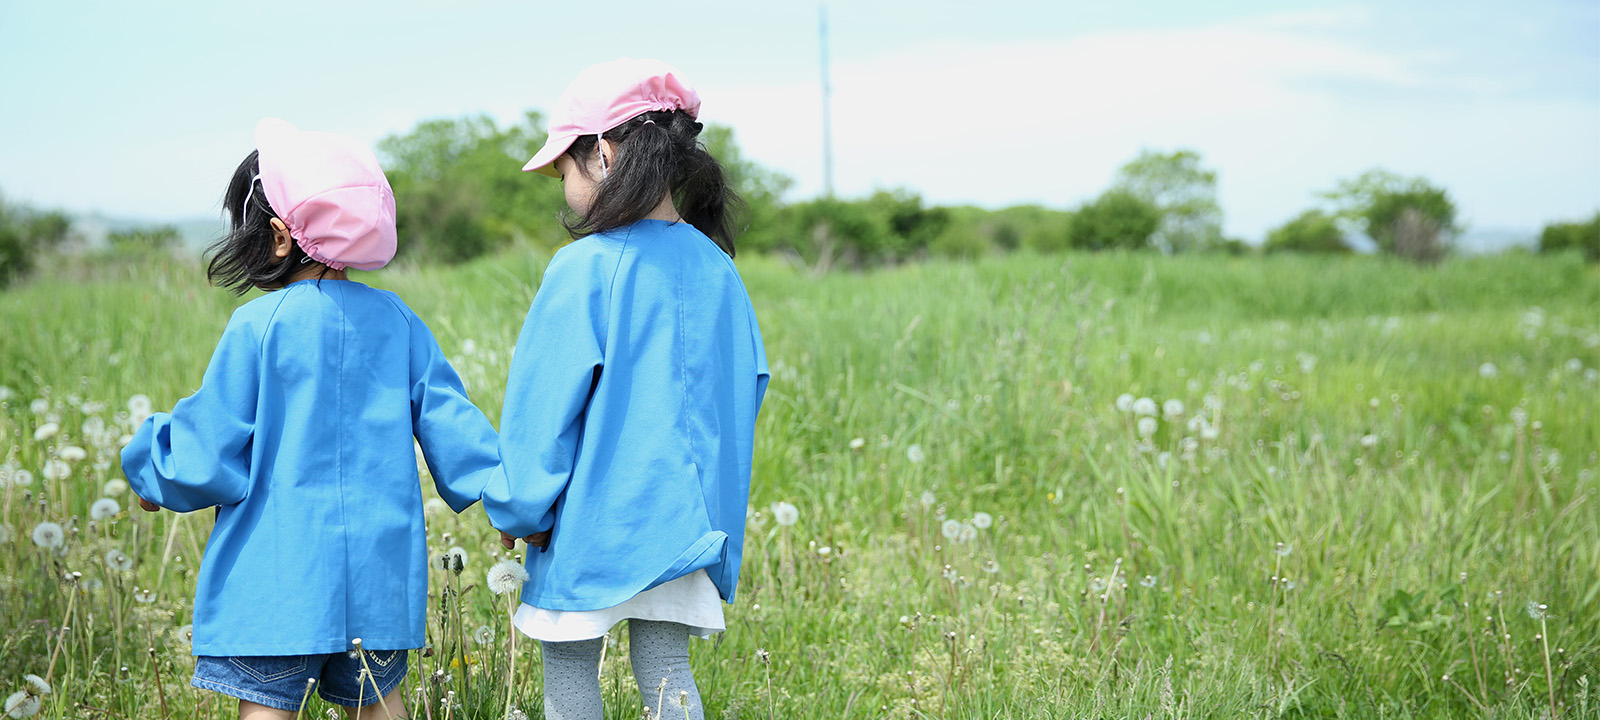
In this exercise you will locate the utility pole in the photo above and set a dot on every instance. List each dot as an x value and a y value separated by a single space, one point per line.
827 113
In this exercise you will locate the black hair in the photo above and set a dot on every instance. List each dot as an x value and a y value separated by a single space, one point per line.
242 259
658 153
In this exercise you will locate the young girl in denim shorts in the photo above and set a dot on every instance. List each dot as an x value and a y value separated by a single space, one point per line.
315 575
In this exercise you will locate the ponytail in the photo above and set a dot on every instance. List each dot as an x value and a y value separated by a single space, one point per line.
659 153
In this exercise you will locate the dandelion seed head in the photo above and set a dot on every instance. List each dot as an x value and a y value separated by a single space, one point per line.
37 685
185 635
104 509
1145 406
49 536
55 469
46 431
1535 610
22 705
1147 426
1172 409
858 443
139 407
144 597
1369 441
915 454
927 499
483 635
114 487
785 513
982 520
1125 402
506 576
434 506
990 566
73 453
950 529
118 560
966 534
1283 549
1488 370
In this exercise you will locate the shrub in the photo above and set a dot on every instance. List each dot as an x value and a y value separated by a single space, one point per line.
1314 231
1582 237
1117 220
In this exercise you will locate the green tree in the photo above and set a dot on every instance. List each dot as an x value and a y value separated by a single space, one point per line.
1581 237
1409 217
25 234
827 232
1183 190
1117 220
761 189
1313 231
143 240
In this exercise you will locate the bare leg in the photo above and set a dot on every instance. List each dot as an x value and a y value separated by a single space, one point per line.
251 711
393 701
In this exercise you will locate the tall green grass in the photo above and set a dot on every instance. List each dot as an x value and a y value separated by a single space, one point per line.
1396 468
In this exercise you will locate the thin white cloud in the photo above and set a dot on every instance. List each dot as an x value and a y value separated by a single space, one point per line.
1279 106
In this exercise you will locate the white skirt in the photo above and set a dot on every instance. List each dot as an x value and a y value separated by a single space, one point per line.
691 600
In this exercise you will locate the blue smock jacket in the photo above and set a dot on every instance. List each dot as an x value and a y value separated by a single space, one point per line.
301 436
630 418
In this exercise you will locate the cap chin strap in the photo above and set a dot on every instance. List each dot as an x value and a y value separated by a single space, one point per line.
605 169
244 208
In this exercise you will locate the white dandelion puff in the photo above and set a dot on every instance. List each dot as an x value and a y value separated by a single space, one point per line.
119 560
1145 406
1369 441
982 520
1149 581
115 486
1172 409
46 431
56 470
1535 610
1519 417
915 454
6 393
1283 550
990 566
1097 585
1125 402
950 529
927 499
1488 370
5 534
73 453
104 509
139 407
39 406
434 506
37 685
185 635
21 705
21 478
49 536
858 443
785 513
144 597
484 635
967 534
506 576
1209 432
1147 427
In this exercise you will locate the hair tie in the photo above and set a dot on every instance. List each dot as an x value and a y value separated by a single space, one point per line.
647 121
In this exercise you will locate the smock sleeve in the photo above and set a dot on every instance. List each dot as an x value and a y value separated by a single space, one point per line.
557 362
457 440
198 455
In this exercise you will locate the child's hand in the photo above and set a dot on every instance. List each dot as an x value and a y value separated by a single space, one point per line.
537 540
146 505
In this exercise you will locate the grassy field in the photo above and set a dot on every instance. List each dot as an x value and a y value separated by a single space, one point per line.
1103 486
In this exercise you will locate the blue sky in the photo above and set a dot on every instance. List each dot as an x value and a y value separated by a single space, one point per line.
142 110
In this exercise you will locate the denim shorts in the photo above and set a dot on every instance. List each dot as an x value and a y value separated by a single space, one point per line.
279 681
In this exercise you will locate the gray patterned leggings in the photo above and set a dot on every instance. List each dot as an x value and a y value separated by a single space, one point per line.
659 650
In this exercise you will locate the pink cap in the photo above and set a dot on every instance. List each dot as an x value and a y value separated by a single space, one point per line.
606 95
331 193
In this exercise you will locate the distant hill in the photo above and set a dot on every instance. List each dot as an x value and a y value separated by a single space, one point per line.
196 233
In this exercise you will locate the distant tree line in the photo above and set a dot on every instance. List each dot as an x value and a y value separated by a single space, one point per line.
460 196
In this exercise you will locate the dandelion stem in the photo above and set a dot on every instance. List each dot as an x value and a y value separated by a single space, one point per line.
161 690
511 658
61 633
1549 680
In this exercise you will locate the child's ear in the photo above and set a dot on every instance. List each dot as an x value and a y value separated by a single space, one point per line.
281 242
609 151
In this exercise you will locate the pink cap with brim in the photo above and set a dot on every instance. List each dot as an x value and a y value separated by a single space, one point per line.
331 193
606 95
